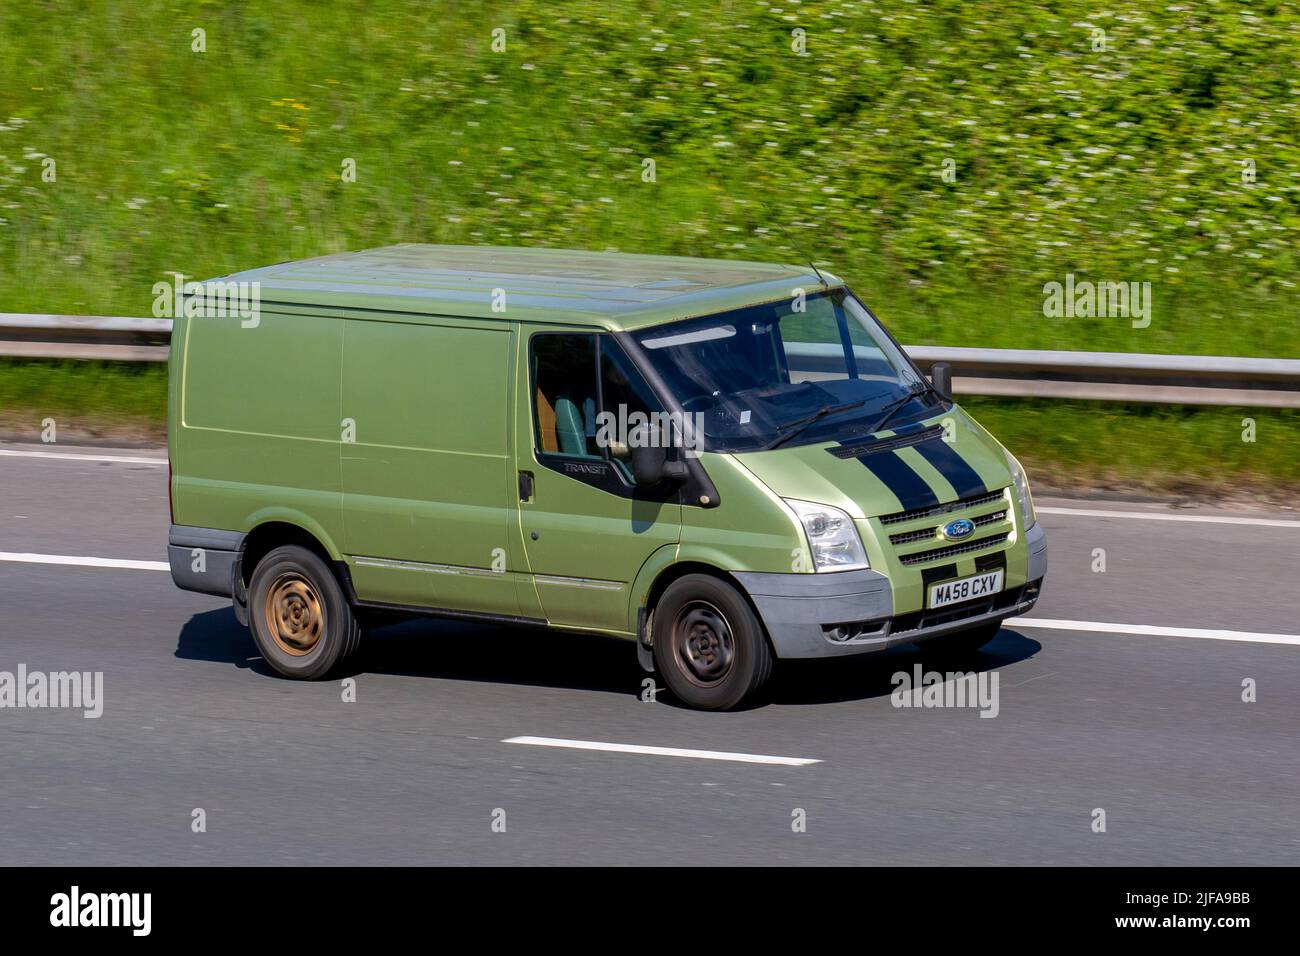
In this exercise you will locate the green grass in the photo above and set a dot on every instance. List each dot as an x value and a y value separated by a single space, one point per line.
1072 446
83 398
1066 446
1124 164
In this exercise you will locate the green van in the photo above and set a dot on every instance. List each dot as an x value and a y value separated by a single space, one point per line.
723 463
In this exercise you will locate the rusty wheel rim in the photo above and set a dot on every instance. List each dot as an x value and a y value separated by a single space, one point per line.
294 614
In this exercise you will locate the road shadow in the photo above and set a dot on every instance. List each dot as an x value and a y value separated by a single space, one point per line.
532 657
492 654
862 677
447 649
217 636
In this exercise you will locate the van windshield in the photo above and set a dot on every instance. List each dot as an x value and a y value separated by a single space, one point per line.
793 372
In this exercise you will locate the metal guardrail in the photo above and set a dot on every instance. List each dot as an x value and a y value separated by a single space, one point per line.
99 337
1093 376
1119 376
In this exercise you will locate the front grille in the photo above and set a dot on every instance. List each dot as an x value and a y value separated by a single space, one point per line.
907 537
951 551
929 534
960 505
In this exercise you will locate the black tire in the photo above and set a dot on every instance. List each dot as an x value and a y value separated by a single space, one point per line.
709 645
300 618
964 643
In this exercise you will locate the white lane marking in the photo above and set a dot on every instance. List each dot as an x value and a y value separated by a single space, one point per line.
124 459
1153 630
1157 516
660 751
26 557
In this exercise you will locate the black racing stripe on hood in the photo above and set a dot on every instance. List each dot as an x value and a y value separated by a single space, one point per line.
911 490
963 478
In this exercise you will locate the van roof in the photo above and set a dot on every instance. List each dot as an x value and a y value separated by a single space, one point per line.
609 290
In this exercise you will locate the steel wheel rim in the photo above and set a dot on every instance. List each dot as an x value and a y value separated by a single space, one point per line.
294 614
703 644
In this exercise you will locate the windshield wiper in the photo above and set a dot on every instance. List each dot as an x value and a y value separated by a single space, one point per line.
897 405
799 424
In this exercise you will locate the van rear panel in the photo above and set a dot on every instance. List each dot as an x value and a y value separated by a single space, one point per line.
256 432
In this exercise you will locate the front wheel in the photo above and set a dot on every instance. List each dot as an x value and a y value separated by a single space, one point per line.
709 645
300 617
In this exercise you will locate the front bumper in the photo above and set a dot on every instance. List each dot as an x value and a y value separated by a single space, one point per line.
852 612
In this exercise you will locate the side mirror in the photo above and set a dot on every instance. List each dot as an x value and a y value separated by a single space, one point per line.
650 465
941 378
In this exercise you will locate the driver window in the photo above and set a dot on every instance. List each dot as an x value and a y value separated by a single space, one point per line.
624 393
564 394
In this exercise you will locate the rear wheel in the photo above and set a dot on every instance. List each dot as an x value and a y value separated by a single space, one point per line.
300 618
709 645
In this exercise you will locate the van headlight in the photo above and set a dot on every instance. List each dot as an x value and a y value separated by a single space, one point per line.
832 535
1023 497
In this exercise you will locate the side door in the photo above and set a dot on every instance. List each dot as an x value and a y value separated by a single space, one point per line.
429 507
586 527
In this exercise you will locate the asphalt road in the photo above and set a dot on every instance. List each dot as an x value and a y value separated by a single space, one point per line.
1151 729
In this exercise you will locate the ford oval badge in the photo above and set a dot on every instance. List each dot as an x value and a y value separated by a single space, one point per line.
956 530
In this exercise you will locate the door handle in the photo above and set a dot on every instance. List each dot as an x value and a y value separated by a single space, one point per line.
525 486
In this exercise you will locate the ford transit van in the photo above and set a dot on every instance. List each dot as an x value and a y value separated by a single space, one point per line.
724 463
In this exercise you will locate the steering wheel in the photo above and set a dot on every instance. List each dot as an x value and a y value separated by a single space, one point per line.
702 403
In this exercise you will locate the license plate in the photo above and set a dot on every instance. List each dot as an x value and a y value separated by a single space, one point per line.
965 589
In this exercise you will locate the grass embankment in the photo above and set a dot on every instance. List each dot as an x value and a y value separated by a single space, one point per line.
87 400
1077 448
949 161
